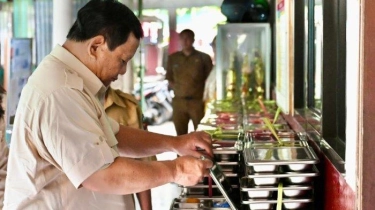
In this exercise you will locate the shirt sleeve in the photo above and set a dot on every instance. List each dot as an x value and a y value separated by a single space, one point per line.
74 134
114 125
208 65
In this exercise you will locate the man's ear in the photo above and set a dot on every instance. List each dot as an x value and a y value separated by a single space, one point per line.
94 46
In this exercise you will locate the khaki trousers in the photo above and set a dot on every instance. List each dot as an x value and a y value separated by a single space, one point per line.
185 110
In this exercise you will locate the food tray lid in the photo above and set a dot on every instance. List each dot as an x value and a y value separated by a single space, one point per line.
279 155
288 174
248 184
286 200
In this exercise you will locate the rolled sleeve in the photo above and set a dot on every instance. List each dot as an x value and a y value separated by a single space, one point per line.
74 136
93 160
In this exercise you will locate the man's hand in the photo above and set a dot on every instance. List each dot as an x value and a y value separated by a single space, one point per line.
189 170
189 144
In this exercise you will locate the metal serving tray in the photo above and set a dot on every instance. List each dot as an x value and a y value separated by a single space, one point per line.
227 154
262 133
289 177
204 190
225 150
266 135
265 168
279 156
287 203
204 204
203 186
273 143
259 121
247 185
228 167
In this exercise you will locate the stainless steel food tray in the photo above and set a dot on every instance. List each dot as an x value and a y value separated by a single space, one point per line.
273 143
229 167
228 163
287 176
203 186
225 150
247 185
266 133
279 155
287 203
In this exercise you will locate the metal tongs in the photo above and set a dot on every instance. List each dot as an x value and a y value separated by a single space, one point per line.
222 183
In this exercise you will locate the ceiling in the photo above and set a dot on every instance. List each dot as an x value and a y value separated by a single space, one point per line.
171 4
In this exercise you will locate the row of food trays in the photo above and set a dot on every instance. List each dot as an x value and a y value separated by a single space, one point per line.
268 172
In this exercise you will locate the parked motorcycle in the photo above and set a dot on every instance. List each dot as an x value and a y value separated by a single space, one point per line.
158 100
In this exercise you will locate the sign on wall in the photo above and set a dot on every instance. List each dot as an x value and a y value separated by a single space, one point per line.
284 56
18 69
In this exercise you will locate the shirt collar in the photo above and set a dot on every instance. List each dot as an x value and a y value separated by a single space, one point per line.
90 80
192 52
113 98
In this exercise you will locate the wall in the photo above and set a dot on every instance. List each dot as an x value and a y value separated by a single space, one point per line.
367 112
332 191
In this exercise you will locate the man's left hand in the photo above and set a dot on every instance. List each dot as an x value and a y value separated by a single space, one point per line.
190 144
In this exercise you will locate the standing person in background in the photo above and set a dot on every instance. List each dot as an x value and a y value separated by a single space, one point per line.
124 109
187 71
4 151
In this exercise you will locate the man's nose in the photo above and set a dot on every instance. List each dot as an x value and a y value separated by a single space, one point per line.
123 71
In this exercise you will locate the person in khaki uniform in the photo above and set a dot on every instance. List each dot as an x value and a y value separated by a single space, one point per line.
187 71
124 109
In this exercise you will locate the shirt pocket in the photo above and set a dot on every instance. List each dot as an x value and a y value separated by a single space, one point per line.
197 68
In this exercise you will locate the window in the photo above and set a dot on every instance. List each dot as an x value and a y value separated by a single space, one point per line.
321 97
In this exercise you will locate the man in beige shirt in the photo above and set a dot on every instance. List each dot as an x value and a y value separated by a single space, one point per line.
65 153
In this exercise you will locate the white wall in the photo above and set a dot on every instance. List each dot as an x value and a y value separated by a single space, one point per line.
352 90
62 20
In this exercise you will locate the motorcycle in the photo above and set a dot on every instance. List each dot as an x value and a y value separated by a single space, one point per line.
158 101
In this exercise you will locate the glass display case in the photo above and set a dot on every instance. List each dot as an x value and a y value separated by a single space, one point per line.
243 60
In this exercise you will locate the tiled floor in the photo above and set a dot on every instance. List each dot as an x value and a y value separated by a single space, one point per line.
162 196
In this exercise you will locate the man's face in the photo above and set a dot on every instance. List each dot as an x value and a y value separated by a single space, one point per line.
186 41
112 63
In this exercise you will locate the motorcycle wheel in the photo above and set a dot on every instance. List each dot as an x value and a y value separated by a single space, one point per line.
163 115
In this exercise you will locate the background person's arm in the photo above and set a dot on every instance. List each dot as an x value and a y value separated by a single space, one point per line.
126 176
137 143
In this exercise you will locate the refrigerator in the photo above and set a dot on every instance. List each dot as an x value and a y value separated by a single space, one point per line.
243 60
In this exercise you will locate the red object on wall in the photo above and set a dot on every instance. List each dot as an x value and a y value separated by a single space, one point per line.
173 42
151 52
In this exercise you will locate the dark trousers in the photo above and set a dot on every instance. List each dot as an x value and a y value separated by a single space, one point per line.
185 110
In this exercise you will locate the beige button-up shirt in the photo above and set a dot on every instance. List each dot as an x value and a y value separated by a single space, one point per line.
61 136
